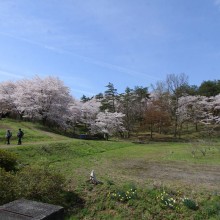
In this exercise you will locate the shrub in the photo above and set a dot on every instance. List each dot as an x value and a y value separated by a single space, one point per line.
37 184
8 160
8 187
41 185
189 203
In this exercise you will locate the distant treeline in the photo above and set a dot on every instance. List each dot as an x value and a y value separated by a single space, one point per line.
165 109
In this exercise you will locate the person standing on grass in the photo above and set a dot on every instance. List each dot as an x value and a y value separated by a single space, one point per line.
8 136
20 135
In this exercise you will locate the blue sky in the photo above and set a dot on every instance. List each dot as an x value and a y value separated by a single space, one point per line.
88 43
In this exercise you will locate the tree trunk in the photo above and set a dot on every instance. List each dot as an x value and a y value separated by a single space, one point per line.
106 136
196 126
151 131
175 127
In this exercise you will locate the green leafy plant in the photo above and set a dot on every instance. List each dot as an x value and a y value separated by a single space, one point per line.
8 187
41 185
167 200
189 203
8 160
124 195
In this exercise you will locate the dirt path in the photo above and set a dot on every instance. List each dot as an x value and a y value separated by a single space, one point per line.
207 176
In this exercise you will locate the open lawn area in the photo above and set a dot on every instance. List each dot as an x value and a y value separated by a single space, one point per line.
176 169
161 163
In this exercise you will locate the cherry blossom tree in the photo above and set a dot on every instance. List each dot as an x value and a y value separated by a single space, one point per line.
108 123
210 116
73 117
187 111
8 95
200 109
216 108
44 99
89 111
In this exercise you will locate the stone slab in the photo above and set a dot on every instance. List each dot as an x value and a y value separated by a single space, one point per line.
23 209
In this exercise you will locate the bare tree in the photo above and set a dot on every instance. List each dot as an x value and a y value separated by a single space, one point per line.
176 84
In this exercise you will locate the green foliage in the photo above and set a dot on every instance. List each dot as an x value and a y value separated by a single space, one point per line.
85 99
212 207
174 201
122 162
167 200
37 184
41 185
8 160
209 88
108 103
189 203
8 187
124 195
151 203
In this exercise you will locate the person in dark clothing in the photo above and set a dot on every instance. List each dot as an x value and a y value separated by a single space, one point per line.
8 136
20 135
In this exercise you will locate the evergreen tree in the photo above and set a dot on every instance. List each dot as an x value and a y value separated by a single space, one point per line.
209 88
110 97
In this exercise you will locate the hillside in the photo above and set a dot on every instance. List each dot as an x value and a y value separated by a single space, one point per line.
118 164
34 133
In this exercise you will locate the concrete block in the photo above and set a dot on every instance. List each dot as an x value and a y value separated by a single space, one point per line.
23 209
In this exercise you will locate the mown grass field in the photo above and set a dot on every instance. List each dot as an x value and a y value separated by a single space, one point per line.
149 168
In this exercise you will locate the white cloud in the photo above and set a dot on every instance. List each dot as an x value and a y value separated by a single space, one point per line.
86 59
77 81
17 20
217 2
116 19
10 74
81 92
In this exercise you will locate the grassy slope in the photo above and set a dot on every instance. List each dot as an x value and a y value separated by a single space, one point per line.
111 159
116 161
33 132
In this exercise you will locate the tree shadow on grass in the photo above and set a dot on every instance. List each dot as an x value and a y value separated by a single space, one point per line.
73 203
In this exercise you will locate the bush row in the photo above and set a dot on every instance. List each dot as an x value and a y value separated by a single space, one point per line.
34 183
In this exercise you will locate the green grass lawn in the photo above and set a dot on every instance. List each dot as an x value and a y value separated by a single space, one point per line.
33 132
120 165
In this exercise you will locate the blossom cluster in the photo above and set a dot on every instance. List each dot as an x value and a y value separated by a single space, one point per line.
124 196
174 202
167 200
